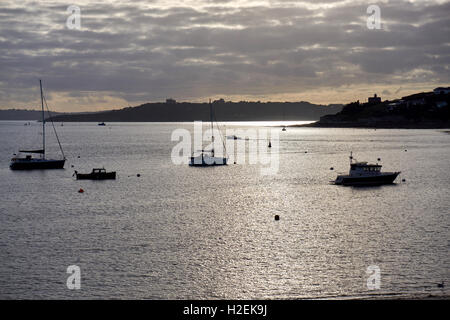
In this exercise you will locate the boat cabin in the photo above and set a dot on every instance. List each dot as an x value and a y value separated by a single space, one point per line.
99 170
359 168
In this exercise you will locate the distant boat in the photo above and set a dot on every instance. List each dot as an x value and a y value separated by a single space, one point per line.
96 174
28 162
208 157
102 124
363 174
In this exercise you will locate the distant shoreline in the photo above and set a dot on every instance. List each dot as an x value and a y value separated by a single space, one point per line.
375 126
278 124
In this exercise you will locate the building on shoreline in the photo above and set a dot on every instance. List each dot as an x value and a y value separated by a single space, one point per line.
374 99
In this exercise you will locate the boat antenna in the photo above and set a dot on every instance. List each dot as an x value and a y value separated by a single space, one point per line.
351 157
43 120
54 129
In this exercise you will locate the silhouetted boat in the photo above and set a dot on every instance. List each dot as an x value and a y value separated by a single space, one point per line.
364 174
28 162
208 157
102 124
96 174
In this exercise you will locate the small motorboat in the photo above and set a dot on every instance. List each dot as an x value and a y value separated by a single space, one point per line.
364 174
102 124
96 174
284 128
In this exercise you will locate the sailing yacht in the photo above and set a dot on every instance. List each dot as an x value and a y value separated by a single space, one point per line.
29 162
208 157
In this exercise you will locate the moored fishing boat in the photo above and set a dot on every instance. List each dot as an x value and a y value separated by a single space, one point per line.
364 174
96 174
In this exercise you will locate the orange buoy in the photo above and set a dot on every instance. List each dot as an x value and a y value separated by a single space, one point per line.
81 190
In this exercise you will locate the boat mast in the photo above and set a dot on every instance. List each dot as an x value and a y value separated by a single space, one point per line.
212 126
43 120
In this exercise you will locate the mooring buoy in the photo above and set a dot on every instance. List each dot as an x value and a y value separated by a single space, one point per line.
277 217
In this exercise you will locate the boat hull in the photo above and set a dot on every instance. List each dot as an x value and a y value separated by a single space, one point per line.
96 176
207 161
36 164
386 178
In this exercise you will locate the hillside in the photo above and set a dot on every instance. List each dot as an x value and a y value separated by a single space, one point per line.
421 110
20 114
224 111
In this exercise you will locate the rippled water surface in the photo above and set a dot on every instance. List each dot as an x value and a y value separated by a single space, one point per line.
178 232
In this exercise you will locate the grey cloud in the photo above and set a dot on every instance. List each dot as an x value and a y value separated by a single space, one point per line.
137 52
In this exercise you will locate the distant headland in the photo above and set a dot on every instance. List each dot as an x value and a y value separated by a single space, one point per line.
22 114
426 110
173 111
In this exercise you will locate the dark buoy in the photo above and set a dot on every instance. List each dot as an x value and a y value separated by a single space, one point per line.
331 168
379 159
78 157
277 217
406 150
306 151
441 285
270 144
403 180
81 190
71 165
235 162
138 175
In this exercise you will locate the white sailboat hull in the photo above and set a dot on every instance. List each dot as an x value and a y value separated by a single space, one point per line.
206 160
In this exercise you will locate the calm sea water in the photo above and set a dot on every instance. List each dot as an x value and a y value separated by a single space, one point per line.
178 232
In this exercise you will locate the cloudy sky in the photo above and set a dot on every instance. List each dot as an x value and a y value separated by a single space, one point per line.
131 52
